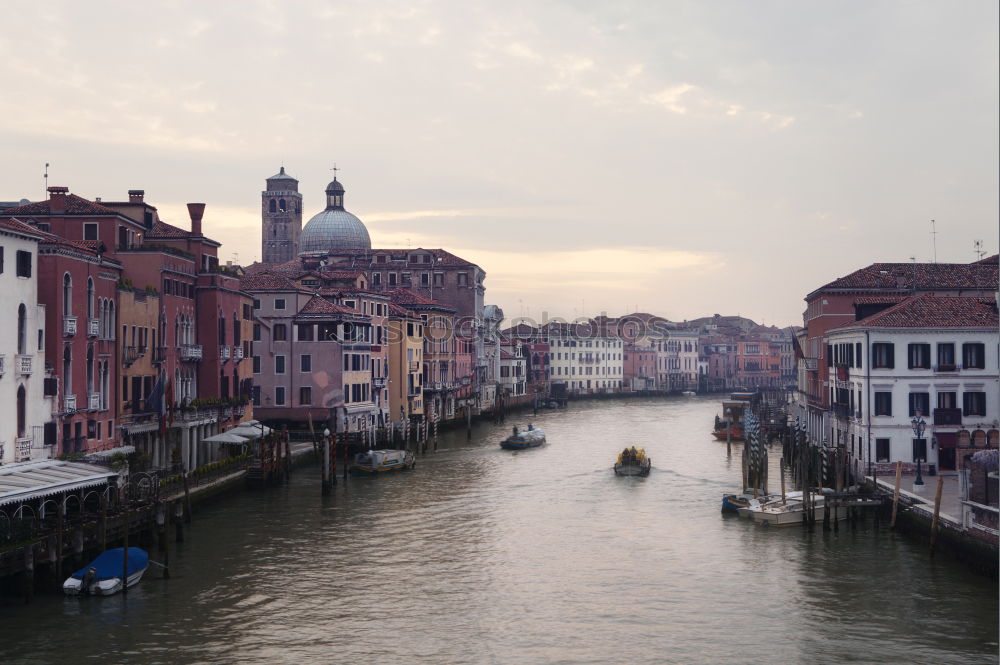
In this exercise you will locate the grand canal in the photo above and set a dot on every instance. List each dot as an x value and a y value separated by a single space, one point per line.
543 556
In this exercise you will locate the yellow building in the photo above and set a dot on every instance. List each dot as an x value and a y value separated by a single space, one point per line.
141 354
406 343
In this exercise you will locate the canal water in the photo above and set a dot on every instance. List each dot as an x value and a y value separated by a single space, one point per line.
482 555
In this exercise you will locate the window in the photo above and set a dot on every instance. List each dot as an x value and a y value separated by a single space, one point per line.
305 332
392 279
920 403
256 332
881 450
305 363
279 303
463 279
90 231
425 279
305 395
974 404
256 395
256 364
256 303
946 356
883 404
974 355
279 396
280 332
947 400
23 264
882 355
279 364
920 450
376 279
919 356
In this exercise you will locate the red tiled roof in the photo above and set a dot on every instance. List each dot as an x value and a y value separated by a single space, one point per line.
879 300
17 226
318 305
266 281
410 299
929 311
907 276
164 230
396 310
989 260
75 205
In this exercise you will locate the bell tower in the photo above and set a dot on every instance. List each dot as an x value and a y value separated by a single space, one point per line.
281 218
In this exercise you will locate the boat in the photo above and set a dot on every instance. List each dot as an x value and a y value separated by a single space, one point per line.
526 438
745 502
375 462
103 575
789 511
730 425
688 393
633 462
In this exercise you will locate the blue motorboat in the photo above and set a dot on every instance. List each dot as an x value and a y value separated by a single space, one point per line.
527 438
103 575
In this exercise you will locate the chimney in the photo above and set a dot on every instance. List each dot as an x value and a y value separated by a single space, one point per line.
135 195
196 210
57 199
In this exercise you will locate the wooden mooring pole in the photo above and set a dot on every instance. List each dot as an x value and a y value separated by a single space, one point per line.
937 511
895 494
325 485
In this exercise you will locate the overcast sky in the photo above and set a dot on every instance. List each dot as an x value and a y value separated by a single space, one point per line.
683 158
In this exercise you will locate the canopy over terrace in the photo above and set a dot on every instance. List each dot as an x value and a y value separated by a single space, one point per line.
32 480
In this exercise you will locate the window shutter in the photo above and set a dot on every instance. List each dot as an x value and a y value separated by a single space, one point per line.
891 351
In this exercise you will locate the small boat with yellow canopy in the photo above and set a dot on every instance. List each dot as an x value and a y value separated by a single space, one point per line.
633 462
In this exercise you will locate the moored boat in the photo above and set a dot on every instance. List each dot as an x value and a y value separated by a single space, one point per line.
789 511
633 462
375 462
730 425
527 438
103 575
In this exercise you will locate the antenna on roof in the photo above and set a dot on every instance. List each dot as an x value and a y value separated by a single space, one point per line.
978 249
46 177
335 169
934 237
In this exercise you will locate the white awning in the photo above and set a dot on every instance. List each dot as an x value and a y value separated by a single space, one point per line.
30 480
101 454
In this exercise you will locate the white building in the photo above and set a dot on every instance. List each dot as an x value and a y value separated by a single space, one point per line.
488 364
928 357
586 358
27 430
512 370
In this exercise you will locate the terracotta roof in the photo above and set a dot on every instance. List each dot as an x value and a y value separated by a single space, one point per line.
879 300
75 205
989 260
402 312
17 226
266 281
441 257
907 276
164 230
319 305
410 299
929 311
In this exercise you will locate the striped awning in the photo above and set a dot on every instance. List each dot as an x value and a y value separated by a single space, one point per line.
30 480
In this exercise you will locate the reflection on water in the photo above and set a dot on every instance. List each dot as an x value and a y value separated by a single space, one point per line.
482 555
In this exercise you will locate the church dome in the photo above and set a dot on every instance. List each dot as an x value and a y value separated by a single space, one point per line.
334 228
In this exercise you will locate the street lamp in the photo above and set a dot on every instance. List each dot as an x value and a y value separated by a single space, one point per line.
919 424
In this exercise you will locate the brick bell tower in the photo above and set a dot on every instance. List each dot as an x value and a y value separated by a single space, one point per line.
281 218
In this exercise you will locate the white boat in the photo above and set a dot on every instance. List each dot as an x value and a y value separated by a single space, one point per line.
688 393
375 462
103 575
788 512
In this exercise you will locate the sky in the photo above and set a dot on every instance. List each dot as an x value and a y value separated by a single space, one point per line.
680 158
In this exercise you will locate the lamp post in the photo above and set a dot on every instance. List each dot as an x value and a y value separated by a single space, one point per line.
919 424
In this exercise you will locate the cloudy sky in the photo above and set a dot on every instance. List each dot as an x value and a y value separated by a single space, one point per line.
684 158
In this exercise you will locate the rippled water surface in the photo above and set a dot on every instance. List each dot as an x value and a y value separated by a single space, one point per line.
543 556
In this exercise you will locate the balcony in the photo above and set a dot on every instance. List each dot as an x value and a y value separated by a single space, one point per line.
947 367
237 353
23 364
812 364
159 354
130 354
224 353
69 326
94 401
842 411
413 391
190 352
378 381
947 416
69 403
93 327
22 449
414 366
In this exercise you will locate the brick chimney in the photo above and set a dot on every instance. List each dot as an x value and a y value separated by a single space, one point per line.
136 195
196 210
57 199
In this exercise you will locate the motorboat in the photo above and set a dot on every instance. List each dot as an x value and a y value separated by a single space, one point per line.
745 503
688 393
524 438
103 575
789 511
730 426
375 462
633 462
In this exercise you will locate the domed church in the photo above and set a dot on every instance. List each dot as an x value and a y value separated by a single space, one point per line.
284 238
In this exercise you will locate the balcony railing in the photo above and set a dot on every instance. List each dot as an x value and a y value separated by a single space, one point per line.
237 353
414 366
69 403
947 416
378 381
23 364
69 326
947 367
93 327
159 354
842 411
130 354
224 352
811 364
190 352
93 401
22 449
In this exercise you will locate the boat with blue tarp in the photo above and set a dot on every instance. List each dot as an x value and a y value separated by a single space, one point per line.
103 575
524 438
376 462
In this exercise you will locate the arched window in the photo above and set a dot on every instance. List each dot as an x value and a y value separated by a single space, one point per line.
21 414
90 369
236 330
67 370
281 205
22 329
272 206
111 319
67 295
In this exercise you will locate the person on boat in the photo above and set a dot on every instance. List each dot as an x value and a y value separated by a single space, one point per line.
530 427
515 430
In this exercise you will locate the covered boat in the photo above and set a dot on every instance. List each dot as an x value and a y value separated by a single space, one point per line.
730 425
789 511
527 438
374 462
103 575
633 462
